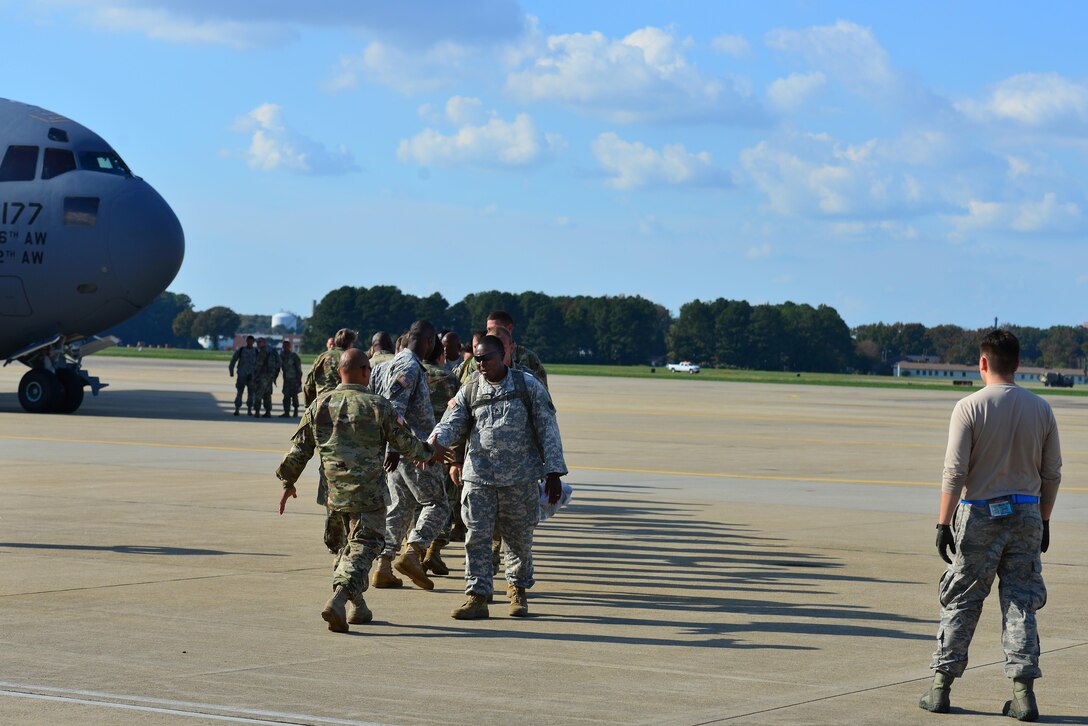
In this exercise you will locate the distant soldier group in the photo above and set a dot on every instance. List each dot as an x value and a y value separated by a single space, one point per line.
418 443
257 370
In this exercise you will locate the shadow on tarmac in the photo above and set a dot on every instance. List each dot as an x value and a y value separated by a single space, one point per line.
654 574
155 404
131 549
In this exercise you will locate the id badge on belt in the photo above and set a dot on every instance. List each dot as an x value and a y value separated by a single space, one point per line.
1000 507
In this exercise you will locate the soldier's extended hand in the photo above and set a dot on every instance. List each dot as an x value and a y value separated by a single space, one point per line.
553 488
392 459
288 492
945 540
1045 545
455 475
439 452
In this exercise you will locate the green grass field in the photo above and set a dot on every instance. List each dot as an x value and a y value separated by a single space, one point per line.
707 374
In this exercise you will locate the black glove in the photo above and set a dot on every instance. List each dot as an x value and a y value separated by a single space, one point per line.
1046 536
945 540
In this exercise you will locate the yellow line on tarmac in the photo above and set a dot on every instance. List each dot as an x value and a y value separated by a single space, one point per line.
718 475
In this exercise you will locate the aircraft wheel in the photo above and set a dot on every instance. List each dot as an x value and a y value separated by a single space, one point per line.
70 396
39 390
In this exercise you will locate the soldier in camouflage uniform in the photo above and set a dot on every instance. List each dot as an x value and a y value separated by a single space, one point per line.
513 443
522 356
403 381
323 377
265 372
443 387
244 359
351 429
292 379
381 348
467 368
1004 458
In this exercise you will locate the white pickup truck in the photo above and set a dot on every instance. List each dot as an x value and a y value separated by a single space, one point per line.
684 366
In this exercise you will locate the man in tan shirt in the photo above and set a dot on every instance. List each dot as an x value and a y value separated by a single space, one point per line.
1002 469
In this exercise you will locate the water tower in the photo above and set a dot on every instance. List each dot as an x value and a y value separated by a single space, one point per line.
286 319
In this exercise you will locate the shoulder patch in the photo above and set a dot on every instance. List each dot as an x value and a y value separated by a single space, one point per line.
402 379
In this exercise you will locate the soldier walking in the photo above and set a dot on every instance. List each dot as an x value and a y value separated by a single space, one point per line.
351 429
1002 469
403 381
265 370
244 359
291 366
513 443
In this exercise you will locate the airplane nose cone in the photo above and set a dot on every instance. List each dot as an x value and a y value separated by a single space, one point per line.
146 243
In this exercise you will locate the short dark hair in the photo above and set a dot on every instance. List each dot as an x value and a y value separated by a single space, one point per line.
420 330
250 337
501 317
494 342
1002 350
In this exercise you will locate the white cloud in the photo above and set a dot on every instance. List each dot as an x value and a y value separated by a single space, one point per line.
790 93
644 76
813 175
756 252
633 164
1033 100
1029 216
845 51
159 24
734 45
406 70
480 140
273 146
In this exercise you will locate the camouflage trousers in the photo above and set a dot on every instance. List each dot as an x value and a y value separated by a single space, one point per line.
262 393
365 540
244 381
986 546
516 510
290 395
411 489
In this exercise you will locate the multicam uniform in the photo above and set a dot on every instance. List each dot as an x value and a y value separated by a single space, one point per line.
505 461
292 380
529 360
265 371
245 359
402 381
350 428
324 375
1003 455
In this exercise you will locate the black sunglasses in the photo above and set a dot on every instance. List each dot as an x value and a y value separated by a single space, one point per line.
485 357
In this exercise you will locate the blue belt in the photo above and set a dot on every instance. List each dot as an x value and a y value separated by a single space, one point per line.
1014 498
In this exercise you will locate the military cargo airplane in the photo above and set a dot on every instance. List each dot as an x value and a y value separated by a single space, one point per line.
84 245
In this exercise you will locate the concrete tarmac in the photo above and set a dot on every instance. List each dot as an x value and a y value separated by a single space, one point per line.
734 553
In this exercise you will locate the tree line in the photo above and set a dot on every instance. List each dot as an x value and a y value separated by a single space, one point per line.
625 330
878 345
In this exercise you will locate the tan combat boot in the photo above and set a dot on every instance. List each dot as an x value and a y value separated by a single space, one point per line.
519 601
358 612
433 560
383 577
335 610
408 564
475 608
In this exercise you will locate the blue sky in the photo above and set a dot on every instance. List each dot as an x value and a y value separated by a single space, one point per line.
916 162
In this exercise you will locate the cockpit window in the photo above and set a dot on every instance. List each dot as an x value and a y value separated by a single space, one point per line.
60 135
57 162
105 161
20 163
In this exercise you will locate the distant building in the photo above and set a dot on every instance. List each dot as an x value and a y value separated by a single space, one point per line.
952 372
287 319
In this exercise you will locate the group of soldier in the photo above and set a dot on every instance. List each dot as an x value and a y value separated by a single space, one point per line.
418 442
257 369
